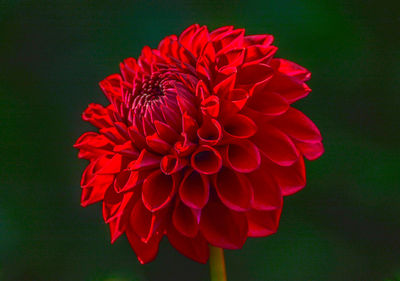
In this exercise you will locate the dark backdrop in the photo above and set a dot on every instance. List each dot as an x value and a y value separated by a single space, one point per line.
343 226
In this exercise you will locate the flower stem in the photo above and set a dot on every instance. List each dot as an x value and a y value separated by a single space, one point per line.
217 264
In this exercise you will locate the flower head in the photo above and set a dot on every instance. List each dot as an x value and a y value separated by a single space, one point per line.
199 142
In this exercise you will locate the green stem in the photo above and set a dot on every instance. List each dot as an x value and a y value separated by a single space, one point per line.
217 264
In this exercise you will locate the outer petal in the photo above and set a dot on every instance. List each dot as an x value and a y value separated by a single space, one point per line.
194 248
223 227
267 193
233 189
276 145
263 223
145 252
185 220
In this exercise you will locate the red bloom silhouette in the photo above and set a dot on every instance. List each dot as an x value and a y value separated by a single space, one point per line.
199 142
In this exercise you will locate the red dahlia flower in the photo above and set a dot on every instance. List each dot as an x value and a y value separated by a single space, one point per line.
199 142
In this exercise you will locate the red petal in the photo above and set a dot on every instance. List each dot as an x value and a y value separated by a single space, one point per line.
267 103
311 151
194 248
295 124
262 39
240 126
210 132
223 227
267 193
115 165
260 54
146 160
127 180
242 156
166 132
194 189
114 204
290 179
145 252
127 150
263 223
93 194
158 145
144 222
206 160
233 189
210 106
254 73
97 115
171 164
291 88
158 190
184 220
277 146
291 69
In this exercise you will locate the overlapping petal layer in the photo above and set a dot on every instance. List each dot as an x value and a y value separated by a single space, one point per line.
199 142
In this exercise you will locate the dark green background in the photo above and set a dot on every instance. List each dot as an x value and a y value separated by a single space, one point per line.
343 226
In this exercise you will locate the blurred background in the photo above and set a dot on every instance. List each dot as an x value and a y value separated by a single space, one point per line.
344 225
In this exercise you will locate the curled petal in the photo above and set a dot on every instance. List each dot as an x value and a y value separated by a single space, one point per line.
97 115
171 164
263 223
223 227
194 189
291 88
206 160
184 220
127 150
260 54
210 132
210 106
276 145
114 204
195 248
233 189
158 190
240 126
259 39
242 156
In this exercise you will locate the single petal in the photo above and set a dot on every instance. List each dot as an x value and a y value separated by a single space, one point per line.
171 164
158 190
194 189
223 227
157 144
166 132
267 193
210 106
267 103
194 248
310 150
146 160
295 124
233 189
275 145
206 160
290 68
184 220
253 74
263 223
291 88
145 252
210 132
239 126
290 179
128 180
242 156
